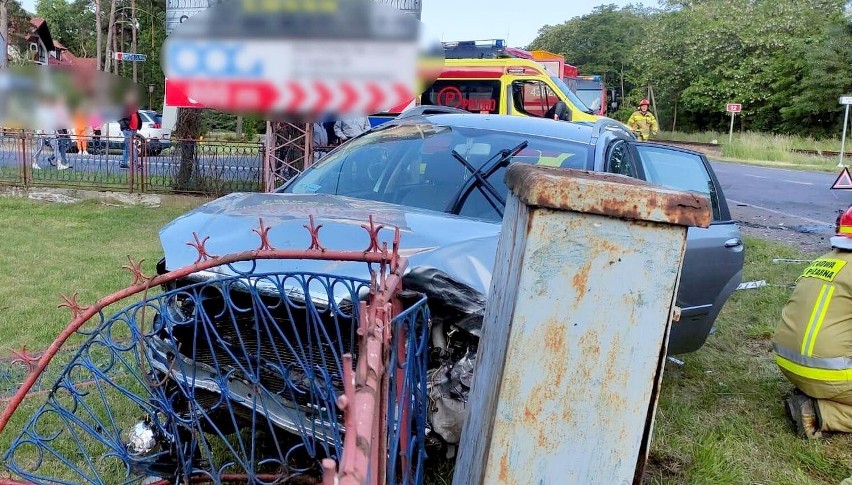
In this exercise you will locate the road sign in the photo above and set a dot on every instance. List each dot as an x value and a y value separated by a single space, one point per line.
844 180
130 57
847 100
732 108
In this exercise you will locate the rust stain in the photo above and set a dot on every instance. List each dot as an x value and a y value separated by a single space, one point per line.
504 468
580 282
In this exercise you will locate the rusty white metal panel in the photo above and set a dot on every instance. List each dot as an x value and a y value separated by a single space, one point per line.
583 350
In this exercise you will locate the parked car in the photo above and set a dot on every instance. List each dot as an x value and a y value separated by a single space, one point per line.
409 173
156 138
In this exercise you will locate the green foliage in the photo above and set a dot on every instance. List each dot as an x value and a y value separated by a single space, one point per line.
786 61
601 42
72 22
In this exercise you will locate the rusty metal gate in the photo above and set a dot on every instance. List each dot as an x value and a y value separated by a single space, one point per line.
217 373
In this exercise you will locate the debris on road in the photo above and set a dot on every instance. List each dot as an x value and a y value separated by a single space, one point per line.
750 285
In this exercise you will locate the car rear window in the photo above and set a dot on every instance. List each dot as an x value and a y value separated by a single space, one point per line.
476 96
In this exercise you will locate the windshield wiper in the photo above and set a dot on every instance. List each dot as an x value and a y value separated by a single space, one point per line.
504 155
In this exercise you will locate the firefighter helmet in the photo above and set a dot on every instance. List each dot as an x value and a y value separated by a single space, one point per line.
644 102
843 230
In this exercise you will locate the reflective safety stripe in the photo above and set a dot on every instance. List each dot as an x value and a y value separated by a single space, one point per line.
814 373
831 363
820 320
815 314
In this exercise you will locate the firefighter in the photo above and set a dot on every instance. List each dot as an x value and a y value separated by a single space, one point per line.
643 123
813 340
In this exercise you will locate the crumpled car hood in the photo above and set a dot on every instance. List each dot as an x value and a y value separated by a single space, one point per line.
463 248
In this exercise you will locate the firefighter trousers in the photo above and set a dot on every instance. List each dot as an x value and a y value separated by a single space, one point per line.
834 399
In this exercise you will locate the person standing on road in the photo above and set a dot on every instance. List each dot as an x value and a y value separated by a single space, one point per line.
320 142
80 129
347 128
129 125
643 123
813 340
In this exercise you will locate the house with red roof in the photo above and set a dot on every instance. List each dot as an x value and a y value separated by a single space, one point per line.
32 43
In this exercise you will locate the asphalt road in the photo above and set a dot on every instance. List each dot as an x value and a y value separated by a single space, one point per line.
799 196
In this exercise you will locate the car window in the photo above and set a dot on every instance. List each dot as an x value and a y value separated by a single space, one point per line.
146 117
412 164
678 170
533 98
591 97
619 159
476 96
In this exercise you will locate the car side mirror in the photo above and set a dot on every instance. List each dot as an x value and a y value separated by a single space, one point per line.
561 111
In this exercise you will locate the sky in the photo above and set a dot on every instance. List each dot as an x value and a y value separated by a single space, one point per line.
517 21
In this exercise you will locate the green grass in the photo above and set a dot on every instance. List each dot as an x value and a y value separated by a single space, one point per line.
766 149
720 419
48 248
764 139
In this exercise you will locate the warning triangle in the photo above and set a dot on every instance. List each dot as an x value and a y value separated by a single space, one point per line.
844 180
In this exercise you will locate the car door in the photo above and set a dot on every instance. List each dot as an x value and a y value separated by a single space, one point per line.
713 263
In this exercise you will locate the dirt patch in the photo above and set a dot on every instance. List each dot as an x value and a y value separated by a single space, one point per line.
809 238
664 468
760 347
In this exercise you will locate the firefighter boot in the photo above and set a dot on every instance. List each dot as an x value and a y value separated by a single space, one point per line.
804 413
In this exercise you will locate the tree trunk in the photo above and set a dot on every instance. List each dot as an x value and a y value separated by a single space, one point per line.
4 31
98 29
239 125
133 42
674 117
187 131
110 40
115 49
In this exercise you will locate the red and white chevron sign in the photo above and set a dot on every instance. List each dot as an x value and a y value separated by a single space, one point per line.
327 77
342 97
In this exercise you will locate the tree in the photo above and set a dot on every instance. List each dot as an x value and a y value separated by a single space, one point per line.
4 31
602 42
70 23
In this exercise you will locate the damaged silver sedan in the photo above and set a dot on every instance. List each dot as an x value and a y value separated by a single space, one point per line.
439 179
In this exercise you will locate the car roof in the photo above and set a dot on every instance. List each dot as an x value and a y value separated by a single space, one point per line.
538 127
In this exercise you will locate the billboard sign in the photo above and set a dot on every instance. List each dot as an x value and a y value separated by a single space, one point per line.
344 57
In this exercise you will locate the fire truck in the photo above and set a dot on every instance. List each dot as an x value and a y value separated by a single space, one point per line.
590 89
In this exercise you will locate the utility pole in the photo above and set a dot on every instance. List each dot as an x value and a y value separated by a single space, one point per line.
133 25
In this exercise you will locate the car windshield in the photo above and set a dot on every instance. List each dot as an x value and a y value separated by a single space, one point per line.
412 164
570 95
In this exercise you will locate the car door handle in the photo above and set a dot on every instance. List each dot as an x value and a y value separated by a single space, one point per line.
733 243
